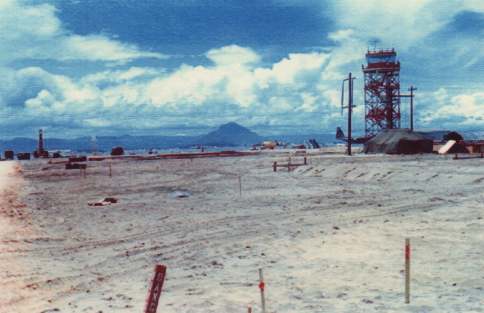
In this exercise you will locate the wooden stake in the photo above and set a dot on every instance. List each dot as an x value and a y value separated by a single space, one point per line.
407 270
156 288
261 287
274 166
110 170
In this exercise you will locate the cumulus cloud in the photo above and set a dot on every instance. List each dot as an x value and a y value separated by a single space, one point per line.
233 54
35 32
447 110
217 93
300 89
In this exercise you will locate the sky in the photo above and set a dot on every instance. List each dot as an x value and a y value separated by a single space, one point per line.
174 67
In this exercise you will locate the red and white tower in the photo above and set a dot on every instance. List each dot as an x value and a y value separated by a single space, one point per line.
382 91
40 147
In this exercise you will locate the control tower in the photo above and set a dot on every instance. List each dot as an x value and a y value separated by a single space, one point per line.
382 91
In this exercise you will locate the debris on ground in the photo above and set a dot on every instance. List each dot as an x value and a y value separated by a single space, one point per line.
104 202
180 194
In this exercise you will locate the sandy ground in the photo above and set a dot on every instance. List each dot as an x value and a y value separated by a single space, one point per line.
329 235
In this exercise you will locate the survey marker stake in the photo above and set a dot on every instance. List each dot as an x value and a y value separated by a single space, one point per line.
156 287
407 270
262 287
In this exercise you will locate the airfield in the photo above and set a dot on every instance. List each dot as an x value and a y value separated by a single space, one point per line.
329 235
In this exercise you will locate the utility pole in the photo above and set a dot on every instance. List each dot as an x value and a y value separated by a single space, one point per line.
411 89
349 107
411 95
350 110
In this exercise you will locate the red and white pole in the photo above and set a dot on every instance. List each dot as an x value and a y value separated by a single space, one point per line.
156 287
262 287
407 270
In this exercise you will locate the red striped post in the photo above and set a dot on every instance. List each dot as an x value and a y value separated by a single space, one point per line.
262 287
156 287
407 270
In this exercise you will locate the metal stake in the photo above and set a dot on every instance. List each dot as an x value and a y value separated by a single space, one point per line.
261 287
407 270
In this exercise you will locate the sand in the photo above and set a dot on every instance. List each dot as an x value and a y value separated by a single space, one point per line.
329 236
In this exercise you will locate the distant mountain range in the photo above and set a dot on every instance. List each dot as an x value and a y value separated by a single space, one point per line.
227 135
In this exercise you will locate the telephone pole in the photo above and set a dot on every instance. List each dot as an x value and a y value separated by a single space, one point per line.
349 107
411 95
411 89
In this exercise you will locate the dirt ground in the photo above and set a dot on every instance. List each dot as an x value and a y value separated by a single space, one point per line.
329 236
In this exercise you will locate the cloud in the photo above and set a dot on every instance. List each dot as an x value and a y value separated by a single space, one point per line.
447 110
35 32
233 54
399 21
99 48
290 69
404 21
239 83
111 77
150 97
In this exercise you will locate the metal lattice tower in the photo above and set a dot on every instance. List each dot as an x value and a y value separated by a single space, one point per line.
382 91
40 147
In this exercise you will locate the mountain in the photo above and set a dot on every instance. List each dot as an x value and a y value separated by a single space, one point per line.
102 143
230 134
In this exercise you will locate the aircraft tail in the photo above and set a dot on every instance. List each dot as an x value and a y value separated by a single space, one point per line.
339 133
314 144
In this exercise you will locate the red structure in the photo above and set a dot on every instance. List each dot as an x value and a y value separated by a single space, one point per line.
382 91
41 152
156 288
40 148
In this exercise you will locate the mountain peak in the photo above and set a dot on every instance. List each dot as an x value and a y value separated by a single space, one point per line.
230 134
232 126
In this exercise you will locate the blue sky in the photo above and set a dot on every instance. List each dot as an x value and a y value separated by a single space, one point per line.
91 67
